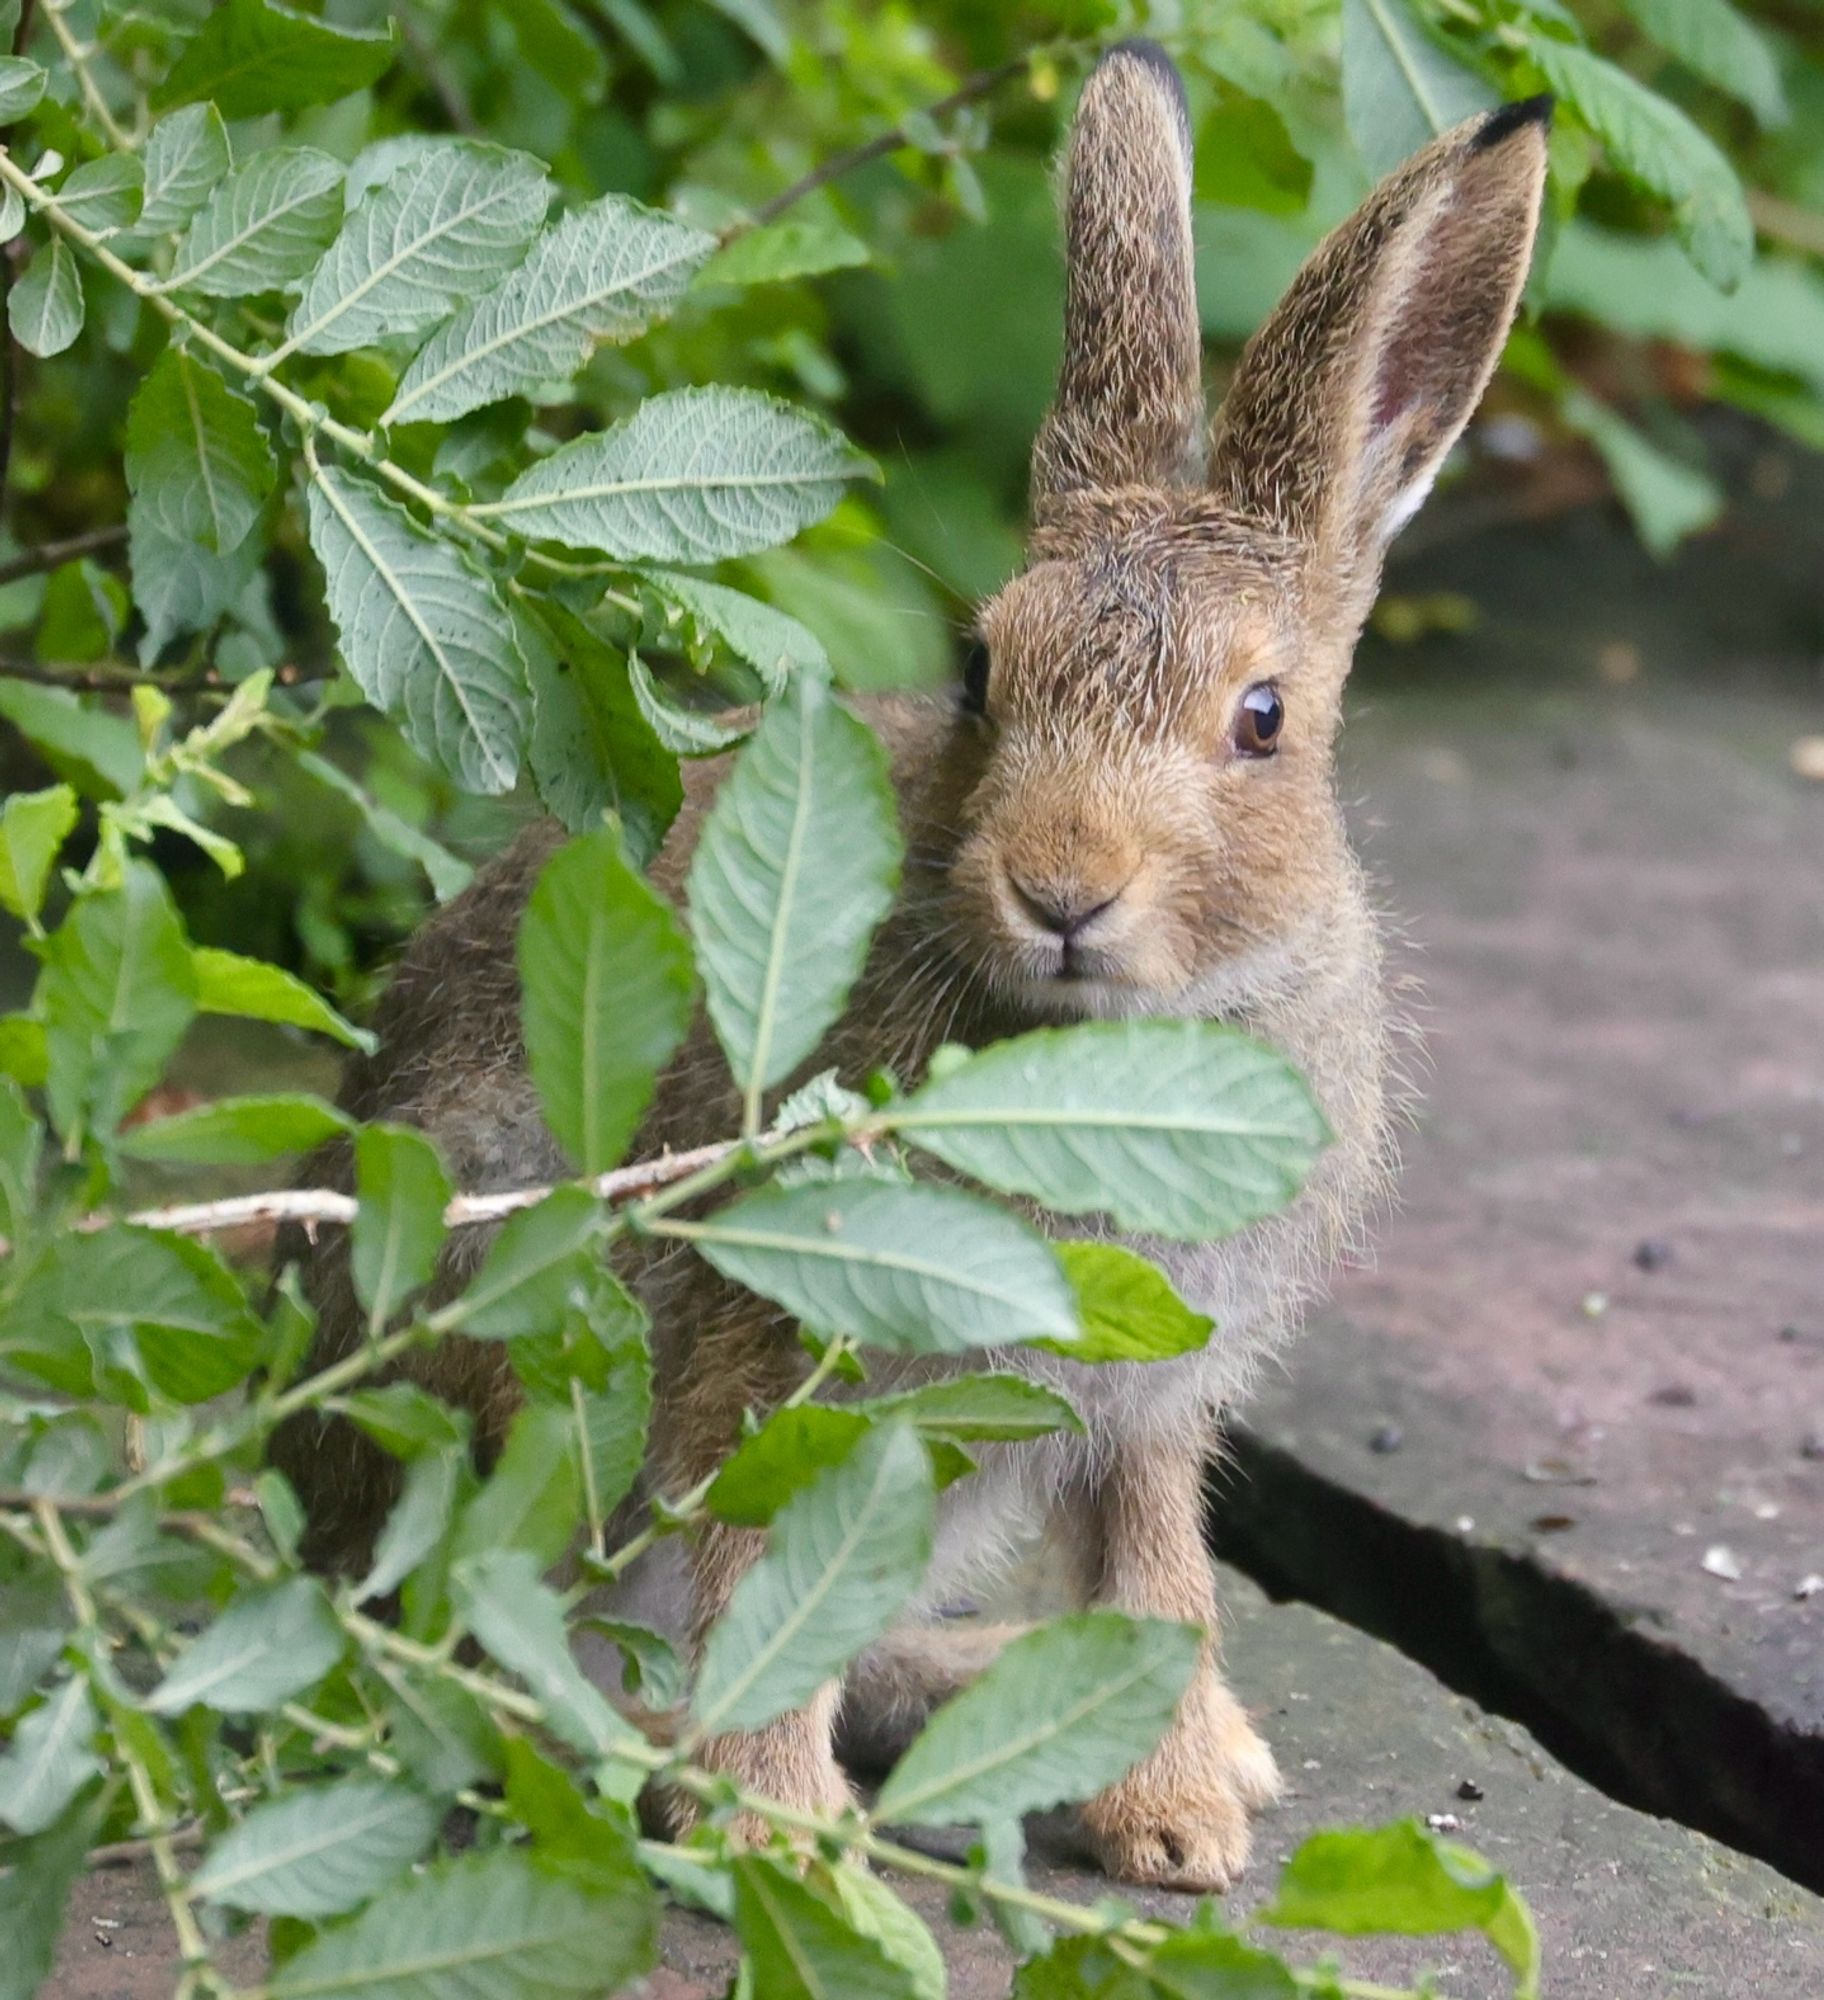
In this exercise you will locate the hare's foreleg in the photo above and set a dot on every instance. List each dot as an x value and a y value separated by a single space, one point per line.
1180 1817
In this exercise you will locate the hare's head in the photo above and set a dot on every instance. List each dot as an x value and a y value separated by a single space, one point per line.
1146 818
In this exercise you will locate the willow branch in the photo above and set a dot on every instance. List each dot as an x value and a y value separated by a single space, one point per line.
53 555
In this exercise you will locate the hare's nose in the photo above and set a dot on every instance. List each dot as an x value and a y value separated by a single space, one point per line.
1064 911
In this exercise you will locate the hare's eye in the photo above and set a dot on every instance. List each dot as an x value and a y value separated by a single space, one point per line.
975 677
1259 720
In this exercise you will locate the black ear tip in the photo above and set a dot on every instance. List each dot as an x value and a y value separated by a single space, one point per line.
1507 119
1143 49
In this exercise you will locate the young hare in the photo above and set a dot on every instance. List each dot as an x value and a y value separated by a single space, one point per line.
1131 810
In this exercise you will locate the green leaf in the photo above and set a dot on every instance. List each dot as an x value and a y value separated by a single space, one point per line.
34 1892
520 1621
536 1269
781 1459
196 456
494 1924
985 1408
424 632
919 1270
227 983
21 1143
178 586
774 644
759 20
873 1909
1402 1878
530 1499
797 863
186 156
44 308
684 731
398 1228
593 753
1652 143
253 56
1130 1310
104 195
1184 1128
447 873
1245 157
317 1851
605 272
1720 45
435 232
264 227
116 994
795 248
692 476
1666 498
21 86
139 1301
235 1131
417 1523
1400 88
403 1419
270 1644
801 1949
1063 1711
96 752
842 1559
51 1758
33 828
608 994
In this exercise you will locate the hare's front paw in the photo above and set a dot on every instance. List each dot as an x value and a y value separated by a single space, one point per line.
1180 1820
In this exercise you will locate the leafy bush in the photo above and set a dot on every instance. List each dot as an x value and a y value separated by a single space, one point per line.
464 415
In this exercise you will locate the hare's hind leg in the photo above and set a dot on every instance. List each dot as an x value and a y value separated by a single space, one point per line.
1180 1817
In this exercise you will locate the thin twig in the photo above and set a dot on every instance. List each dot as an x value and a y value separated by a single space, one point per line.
53 555
1786 222
981 84
111 679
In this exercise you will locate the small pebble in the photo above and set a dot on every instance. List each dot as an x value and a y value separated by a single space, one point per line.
1808 1586
1466 1524
1470 1791
1808 757
1388 1438
1595 1304
1811 1445
1652 1253
1444 1822
1720 1560
1766 1510
1674 1396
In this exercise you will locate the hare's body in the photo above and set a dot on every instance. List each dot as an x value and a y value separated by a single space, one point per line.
1133 811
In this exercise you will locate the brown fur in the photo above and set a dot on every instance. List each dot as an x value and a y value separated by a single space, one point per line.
1103 778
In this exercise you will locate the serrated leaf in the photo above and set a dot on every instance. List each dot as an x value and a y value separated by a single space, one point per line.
21 1147
593 753
536 1269
493 1924
51 1758
1666 498
33 1895
1404 1879
21 86
45 308
269 1645
405 1420
530 1500
196 455
425 633
608 992
236 1131
186 155
318 1851
437 230
1183 1128
416 1523
520 1621
136 1300
914 1269
398 1227
795 248
685 732
781 1459
980 1408
692 476
1400 87
95 751
843 1557
253 56
33 828
797 863
604 273
227 983
178 586
1063 1711
104 195
800 1948
116 994
264 227
447 873
760 635
1652 143
1721 45
12 212
1130 1310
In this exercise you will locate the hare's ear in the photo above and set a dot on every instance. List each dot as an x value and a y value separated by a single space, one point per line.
1348 398
1129 407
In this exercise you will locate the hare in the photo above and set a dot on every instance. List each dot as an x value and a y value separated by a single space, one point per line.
1130 809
